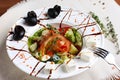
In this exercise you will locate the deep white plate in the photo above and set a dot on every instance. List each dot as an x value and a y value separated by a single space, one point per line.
21 57
99 71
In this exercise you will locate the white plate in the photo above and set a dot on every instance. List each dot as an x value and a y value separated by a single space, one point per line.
21 57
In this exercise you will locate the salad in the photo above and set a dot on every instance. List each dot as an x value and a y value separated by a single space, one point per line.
55 44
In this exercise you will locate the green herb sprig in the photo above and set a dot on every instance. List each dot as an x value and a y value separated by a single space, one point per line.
108 30
104 30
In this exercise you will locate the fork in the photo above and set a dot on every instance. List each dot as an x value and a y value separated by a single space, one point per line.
106 55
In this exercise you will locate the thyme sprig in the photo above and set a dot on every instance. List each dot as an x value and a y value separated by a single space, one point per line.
111 31
104 30
108 30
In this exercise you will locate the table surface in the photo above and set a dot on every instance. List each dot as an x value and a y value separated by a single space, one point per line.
5 4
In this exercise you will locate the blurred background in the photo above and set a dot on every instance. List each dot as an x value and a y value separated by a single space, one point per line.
5 4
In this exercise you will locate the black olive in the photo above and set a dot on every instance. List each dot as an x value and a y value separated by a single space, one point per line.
52 13
31 14
18 33
31 18
31 21
57 8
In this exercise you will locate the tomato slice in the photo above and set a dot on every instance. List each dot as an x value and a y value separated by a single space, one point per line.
63 30
64 47
50 53
60 45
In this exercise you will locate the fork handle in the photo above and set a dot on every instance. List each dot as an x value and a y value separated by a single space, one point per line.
116 66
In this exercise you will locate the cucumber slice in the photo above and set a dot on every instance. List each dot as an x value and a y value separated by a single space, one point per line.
78 38
33 47
70 35
39 32
60 61
73 50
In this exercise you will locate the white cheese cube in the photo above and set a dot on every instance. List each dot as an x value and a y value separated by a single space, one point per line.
62 42
49 66
87 55
69 66
90 41
45 57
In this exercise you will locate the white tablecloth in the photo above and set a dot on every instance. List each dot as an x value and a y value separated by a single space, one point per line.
99 71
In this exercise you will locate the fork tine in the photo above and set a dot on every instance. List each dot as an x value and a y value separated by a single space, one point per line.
105 52
101 52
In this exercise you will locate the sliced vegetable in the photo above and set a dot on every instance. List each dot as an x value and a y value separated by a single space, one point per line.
55 45
33 47
32 40
36 54
73 50
70 35
64 58
63 30
50 53
58 48
62 53
62 45
60 61
78 38
45 32
39 32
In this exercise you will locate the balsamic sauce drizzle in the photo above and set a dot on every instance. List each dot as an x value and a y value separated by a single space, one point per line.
58 66
12 48
68 10
68 61
17 41
49 74
64 10
69 15
40 70
93 34
42 25
84 67
41 12
44 19
26 36
86 26
83 21
64 18
10 33
34 68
